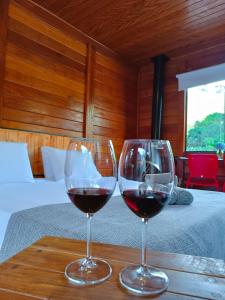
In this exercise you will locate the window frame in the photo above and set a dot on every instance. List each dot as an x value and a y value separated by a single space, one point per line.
186 152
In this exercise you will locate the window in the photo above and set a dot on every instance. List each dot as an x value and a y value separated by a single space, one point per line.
205 126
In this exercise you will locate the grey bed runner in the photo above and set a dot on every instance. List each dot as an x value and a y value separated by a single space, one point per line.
196 229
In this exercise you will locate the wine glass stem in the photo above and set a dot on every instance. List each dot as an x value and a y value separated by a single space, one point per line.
143 250
89 218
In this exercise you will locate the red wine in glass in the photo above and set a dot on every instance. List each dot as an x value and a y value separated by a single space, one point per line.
90 177
145 205
89 200
146 176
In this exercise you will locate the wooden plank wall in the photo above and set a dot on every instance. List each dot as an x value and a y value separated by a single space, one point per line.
45 76
174 104
59 81
145 90
4 6
114 92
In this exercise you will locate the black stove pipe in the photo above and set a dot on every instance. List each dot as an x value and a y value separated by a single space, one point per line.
158 95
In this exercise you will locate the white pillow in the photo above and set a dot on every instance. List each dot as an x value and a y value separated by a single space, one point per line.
46 153
14 163
54 163
57 161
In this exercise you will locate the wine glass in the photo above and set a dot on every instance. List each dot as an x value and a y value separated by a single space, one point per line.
146 180
90 177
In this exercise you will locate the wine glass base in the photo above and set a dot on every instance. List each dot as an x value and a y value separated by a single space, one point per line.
88 271
144 280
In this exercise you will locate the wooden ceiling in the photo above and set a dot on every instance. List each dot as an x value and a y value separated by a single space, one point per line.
139 29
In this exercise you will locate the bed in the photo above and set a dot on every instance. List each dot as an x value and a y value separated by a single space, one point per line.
29 211
42 208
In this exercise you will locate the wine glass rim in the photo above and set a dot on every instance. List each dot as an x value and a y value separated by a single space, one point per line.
146 140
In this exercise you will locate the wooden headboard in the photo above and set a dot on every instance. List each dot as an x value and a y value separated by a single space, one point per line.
34 141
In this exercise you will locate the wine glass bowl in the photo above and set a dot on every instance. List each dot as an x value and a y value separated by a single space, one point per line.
146 179
90 177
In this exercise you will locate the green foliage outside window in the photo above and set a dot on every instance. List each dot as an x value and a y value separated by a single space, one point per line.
206 133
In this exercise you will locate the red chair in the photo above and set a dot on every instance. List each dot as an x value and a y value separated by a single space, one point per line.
202 170
224 166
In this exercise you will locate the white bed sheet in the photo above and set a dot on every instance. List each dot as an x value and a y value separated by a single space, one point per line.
15 197
19 196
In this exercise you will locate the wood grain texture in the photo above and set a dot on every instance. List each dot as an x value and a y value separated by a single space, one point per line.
142 29
66 27
44 72
115 94
145 92
89 95
4 6
190 277
54 83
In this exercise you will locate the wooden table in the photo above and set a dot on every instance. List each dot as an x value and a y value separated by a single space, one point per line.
38 273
